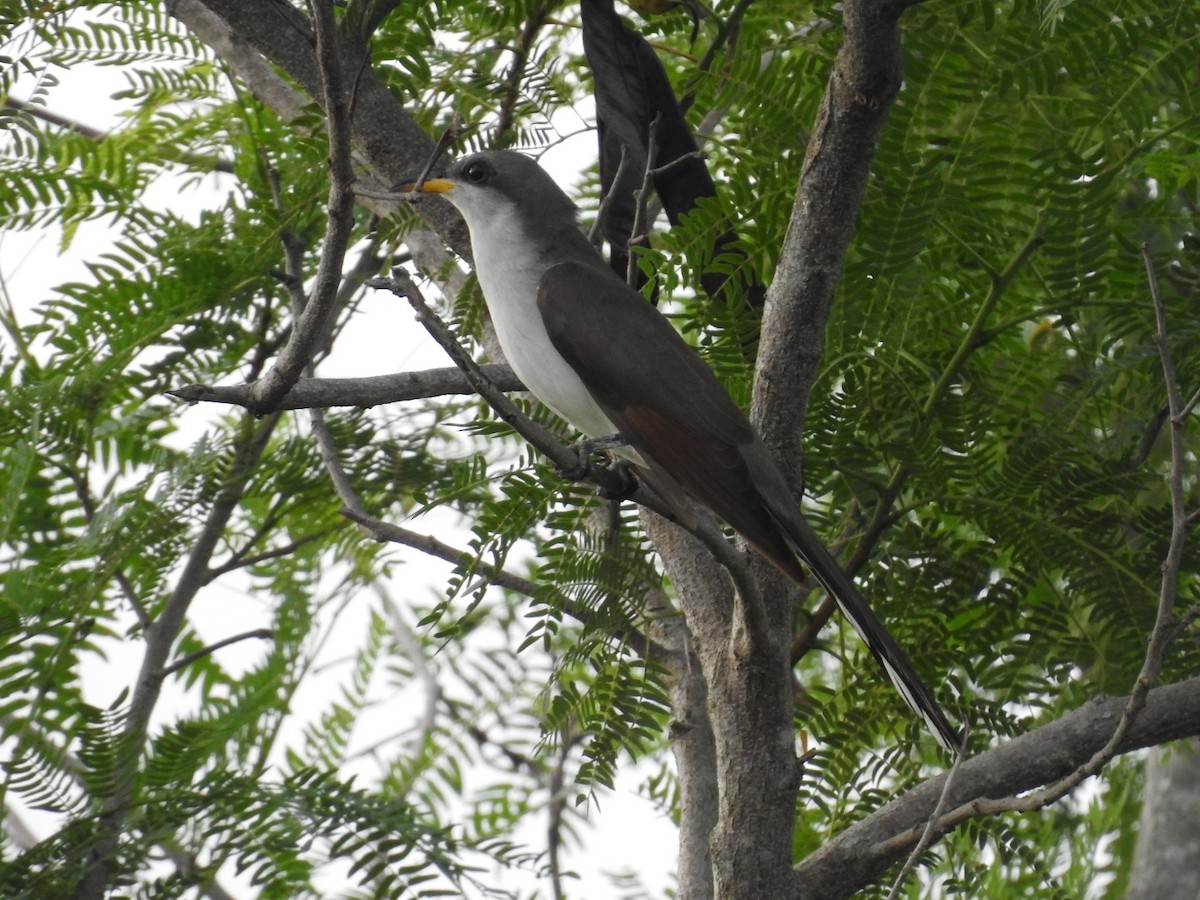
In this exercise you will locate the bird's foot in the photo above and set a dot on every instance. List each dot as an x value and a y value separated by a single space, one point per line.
629 482
583 467
585 449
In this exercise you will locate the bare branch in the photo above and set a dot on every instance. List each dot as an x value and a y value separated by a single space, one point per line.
388 531
333 464
516 74
308 393
727 29
1169 589
642 194
930 833
597 229
262 634
169 152
416 655
1190 405
242 562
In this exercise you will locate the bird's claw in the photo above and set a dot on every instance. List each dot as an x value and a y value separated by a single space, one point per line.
583 468
629 482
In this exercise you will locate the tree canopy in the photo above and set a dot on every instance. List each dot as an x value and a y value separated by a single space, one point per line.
946 256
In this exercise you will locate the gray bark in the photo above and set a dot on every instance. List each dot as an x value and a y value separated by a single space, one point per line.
1165 864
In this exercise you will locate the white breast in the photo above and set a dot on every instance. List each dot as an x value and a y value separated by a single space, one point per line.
509 275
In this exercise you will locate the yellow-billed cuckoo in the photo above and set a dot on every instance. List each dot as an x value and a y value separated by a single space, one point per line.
602 357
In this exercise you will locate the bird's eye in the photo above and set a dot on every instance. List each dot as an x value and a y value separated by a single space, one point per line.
475 172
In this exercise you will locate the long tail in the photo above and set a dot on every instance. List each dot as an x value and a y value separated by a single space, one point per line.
805 543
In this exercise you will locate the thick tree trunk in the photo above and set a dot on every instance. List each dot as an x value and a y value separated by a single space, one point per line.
1168 848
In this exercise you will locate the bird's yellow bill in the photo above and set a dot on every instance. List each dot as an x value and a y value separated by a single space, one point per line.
432 186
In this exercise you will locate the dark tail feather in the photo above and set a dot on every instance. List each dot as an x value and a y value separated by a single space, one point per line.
809 548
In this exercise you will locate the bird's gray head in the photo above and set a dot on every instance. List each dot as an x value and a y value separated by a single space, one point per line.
490 187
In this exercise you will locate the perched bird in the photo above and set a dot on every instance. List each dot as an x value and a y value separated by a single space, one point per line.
602 357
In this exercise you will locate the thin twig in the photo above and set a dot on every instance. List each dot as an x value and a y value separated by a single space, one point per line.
518 760
516 73
262 634
333 463
726 29
639 209
449 136
396 534
422 669
668 166
930 832
293 248
1187 408
607 200
397 196
196 161
1173 562
241 561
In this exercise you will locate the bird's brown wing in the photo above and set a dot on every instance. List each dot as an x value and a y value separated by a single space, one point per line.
672 409
654 387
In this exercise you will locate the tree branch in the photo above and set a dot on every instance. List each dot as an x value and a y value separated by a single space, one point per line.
860 855
262 634
197 161
160 638
396 534
1161 634
310 325
858 97
516 74
392 144
308 393
240 560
